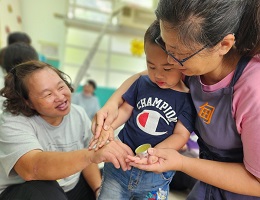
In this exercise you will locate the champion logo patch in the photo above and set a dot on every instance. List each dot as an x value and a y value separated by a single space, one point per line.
148 121
143 118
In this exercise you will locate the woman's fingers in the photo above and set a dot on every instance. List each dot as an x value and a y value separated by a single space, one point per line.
162 160
115 152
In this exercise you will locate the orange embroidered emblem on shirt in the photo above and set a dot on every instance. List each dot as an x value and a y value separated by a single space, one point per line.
206 112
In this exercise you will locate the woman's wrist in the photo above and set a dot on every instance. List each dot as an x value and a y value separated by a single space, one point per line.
96 190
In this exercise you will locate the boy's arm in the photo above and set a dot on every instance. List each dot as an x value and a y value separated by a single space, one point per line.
108 113
178 139
124 113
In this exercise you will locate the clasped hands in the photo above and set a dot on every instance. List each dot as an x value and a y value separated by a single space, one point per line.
105 136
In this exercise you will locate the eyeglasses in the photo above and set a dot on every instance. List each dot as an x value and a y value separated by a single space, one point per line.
161 43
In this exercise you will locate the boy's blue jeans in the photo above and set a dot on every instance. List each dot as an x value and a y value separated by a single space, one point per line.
134 184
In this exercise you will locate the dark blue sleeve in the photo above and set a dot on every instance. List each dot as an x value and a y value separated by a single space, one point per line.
130 95
188 114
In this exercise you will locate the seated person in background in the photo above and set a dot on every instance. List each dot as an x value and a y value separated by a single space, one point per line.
12 55
17 53
157 110
18 37
2 51
12 38
43 138
2 74
87 99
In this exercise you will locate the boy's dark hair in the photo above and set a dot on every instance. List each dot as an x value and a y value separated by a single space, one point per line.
152 32
18 37
17 53
92 83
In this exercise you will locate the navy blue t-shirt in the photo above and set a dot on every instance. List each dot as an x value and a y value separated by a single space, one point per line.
155 114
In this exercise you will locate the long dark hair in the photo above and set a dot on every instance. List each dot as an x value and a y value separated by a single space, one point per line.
15 90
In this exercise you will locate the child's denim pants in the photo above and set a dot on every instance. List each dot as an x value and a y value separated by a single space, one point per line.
134 184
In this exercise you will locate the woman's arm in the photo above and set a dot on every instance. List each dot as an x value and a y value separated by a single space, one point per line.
229 176
38 165
232 177
108 113
175 141
93 176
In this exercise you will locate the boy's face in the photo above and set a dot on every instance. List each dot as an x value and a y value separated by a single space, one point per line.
159 70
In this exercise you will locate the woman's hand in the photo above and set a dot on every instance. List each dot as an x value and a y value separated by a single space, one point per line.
115 152
144 161
168 159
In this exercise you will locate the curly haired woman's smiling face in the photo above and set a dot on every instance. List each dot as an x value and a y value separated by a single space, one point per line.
48 95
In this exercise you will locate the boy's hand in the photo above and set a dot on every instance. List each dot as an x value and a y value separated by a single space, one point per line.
104 138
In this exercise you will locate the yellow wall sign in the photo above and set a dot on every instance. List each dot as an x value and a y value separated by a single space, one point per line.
137 47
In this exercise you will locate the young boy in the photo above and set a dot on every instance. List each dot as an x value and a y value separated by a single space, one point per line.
158 110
